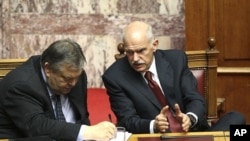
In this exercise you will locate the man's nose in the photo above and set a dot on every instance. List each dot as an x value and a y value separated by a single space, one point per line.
72 82
136 57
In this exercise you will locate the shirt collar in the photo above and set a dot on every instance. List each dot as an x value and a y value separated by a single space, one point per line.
45 80
152 68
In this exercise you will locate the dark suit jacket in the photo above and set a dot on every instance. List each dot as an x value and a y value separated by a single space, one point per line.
26 109
134 103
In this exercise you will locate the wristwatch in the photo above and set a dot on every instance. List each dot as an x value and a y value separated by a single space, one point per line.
192 119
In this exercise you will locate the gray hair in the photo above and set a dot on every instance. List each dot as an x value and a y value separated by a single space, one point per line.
64 51
149 34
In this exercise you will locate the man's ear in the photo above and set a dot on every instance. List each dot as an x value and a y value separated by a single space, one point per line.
46 68
155 44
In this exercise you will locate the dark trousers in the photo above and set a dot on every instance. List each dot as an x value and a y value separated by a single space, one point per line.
231 118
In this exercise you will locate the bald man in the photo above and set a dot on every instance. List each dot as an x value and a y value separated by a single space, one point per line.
134 103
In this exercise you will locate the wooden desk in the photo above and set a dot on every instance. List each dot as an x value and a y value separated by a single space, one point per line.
227 136
218 136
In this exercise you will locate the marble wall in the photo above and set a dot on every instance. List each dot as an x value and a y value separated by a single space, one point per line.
29 26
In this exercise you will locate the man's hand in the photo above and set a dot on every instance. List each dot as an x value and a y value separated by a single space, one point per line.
182 118
103 131
161 123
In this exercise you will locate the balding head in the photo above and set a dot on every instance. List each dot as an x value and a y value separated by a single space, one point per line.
139 45
136 32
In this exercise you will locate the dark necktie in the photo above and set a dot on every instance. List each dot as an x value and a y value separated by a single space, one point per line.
58 108
174 124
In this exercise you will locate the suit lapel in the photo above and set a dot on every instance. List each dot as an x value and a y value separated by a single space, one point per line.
166 77
76 100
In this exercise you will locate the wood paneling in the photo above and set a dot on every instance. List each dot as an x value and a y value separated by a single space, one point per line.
228 22
232 35
235 88
233 32
196 20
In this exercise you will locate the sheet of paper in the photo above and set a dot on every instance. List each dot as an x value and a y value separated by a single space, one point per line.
120 137
127 135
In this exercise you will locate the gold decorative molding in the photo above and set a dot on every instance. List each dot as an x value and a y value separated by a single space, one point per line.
243 70
7 65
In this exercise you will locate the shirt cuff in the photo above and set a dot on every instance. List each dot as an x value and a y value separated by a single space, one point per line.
196 118
151 128
81 133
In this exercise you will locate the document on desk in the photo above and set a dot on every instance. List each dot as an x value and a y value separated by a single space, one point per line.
120 137
127 135
178 138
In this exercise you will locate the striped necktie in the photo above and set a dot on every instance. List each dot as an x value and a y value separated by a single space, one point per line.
58 108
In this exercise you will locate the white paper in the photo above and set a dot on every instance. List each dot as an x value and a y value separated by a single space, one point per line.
120 136
127 135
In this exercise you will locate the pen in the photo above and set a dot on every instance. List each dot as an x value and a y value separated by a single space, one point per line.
110 118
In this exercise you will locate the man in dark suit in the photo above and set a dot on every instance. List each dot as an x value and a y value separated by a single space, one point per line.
134 103
27 97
